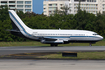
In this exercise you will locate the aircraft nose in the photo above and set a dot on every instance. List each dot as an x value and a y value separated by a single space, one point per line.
101 37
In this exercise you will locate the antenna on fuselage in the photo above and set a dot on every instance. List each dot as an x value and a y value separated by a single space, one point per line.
59 29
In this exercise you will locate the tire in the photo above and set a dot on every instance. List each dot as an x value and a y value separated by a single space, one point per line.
53 44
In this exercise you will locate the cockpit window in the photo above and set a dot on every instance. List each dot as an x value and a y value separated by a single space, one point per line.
95 34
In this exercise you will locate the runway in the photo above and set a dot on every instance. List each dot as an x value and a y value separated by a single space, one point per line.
37 49
52 64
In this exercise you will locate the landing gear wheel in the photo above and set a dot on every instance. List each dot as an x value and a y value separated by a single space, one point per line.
53 44
90 44
56 44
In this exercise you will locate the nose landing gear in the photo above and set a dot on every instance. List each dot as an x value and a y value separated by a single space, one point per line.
90 44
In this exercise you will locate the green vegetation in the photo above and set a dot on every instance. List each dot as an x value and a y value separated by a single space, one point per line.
31 43
58 55
34 43
82 20
80 55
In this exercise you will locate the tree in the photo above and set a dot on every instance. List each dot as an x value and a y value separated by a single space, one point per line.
79 6
4 13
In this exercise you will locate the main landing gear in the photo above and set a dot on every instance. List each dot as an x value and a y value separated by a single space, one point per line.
53 44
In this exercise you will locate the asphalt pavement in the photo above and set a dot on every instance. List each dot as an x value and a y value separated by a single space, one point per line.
52 64
38 49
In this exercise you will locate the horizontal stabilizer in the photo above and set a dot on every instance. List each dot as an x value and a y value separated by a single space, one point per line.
12 30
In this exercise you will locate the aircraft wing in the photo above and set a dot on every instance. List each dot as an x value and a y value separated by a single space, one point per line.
51 40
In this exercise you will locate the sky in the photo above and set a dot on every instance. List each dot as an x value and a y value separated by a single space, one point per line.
38 6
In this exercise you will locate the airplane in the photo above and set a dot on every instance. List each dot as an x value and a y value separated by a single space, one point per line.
51 36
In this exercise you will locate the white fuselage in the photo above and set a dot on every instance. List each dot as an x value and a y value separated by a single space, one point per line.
67 35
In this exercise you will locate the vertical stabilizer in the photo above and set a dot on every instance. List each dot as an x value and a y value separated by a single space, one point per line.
17 23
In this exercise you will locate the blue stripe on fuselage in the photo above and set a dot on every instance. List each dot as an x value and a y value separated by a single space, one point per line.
64 36
56 37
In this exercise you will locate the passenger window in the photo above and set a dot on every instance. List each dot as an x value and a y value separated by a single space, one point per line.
95 34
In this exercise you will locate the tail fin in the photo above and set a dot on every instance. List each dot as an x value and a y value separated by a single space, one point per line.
17 23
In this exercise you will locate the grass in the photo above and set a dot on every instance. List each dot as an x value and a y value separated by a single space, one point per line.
80 55
34 43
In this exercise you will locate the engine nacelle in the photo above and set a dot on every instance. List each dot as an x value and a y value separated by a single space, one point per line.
50 42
